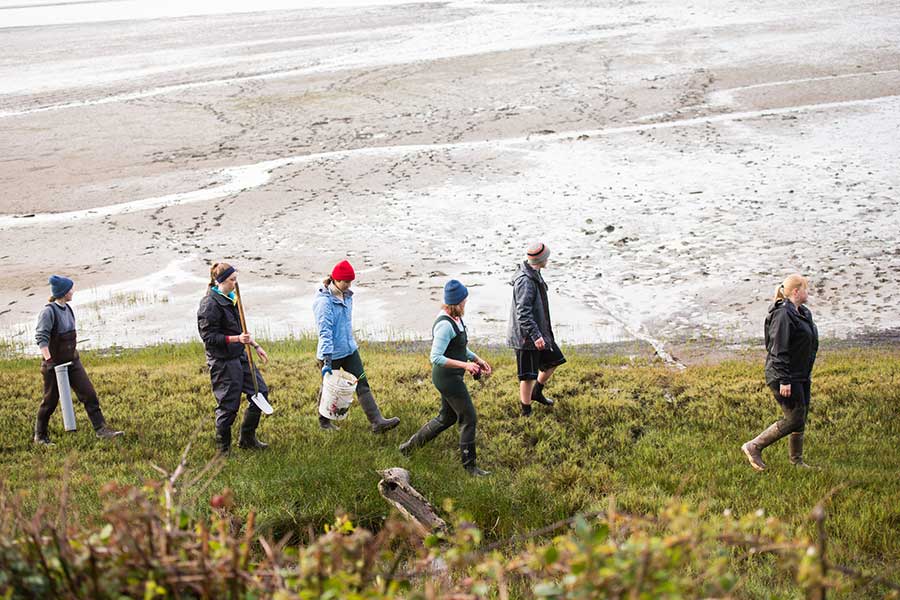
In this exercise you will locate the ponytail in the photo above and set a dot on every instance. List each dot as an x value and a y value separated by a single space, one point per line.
787 287
327 281
214 272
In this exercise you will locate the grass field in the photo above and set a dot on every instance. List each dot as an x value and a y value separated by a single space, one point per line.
629 428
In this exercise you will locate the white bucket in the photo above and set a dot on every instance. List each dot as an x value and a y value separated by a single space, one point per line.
65 396
337 394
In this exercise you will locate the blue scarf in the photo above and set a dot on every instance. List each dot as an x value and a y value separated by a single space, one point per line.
231 295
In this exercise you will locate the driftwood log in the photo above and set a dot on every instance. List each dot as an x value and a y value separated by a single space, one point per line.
395 488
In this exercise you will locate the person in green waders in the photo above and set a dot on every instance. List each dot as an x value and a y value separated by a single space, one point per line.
56 336
451 359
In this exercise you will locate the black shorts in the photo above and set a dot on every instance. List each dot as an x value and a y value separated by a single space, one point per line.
530 362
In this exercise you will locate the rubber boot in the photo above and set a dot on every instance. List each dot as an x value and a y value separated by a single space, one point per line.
537 395
41 436
526 409
327 424
247 439
379 423
795 450
468 460
107 433
223 440
424 435
753 449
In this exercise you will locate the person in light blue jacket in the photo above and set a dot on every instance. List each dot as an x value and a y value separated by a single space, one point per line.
337 348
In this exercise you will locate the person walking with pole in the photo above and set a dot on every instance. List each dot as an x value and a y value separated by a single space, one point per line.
530 332
227 343
451 359
57 336
792 341
337 348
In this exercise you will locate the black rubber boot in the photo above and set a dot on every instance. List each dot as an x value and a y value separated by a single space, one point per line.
753 449
537 395
424 435
223 440
526 409
379 423
327 424
795 450
247 439
468 460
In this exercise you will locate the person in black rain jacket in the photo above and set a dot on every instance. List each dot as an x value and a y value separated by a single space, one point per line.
220 328
792 341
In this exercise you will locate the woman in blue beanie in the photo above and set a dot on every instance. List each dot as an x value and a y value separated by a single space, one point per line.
57 337
451 359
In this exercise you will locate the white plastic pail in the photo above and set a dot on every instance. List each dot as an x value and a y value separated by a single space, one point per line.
337 394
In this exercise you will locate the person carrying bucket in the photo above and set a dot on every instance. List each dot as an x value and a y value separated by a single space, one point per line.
451 359
56 336
337 348
792 341
219 320
530 332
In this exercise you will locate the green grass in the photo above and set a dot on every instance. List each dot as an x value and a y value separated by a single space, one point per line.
632 429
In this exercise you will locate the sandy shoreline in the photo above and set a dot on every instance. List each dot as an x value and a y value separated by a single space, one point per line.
678 162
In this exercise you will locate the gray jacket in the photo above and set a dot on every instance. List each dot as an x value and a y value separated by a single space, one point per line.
529 315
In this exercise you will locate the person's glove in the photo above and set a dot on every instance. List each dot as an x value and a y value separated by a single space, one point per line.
326 366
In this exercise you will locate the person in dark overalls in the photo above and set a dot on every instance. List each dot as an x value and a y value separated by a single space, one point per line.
451 359
224 339
57 337
792 341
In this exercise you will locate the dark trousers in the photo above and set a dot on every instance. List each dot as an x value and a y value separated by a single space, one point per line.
80 384
230 379
795 408
456 405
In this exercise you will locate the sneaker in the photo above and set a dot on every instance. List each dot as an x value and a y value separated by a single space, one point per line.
105 433
476 472
43 440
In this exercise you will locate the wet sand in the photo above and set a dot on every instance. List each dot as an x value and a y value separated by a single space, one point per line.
678 159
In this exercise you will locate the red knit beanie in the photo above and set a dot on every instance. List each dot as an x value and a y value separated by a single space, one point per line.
343 271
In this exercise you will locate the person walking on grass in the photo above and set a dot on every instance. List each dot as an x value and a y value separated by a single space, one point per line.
530 332
451 359
56 336
792 341
219 323
337 348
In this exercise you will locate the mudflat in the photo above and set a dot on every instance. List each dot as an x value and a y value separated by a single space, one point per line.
678 159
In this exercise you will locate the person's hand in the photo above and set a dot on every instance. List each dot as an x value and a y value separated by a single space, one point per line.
245 338
262 354
326 365
785 390
485 367
473 368
540 344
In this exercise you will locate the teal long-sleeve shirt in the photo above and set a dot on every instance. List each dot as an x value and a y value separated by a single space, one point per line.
443 335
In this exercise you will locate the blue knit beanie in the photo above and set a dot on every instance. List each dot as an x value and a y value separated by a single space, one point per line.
454 292
60 286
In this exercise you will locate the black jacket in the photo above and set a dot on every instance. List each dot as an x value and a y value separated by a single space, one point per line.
218 317
529 315
792 341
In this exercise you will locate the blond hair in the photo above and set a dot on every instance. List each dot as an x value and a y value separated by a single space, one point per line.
216 270
791 283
